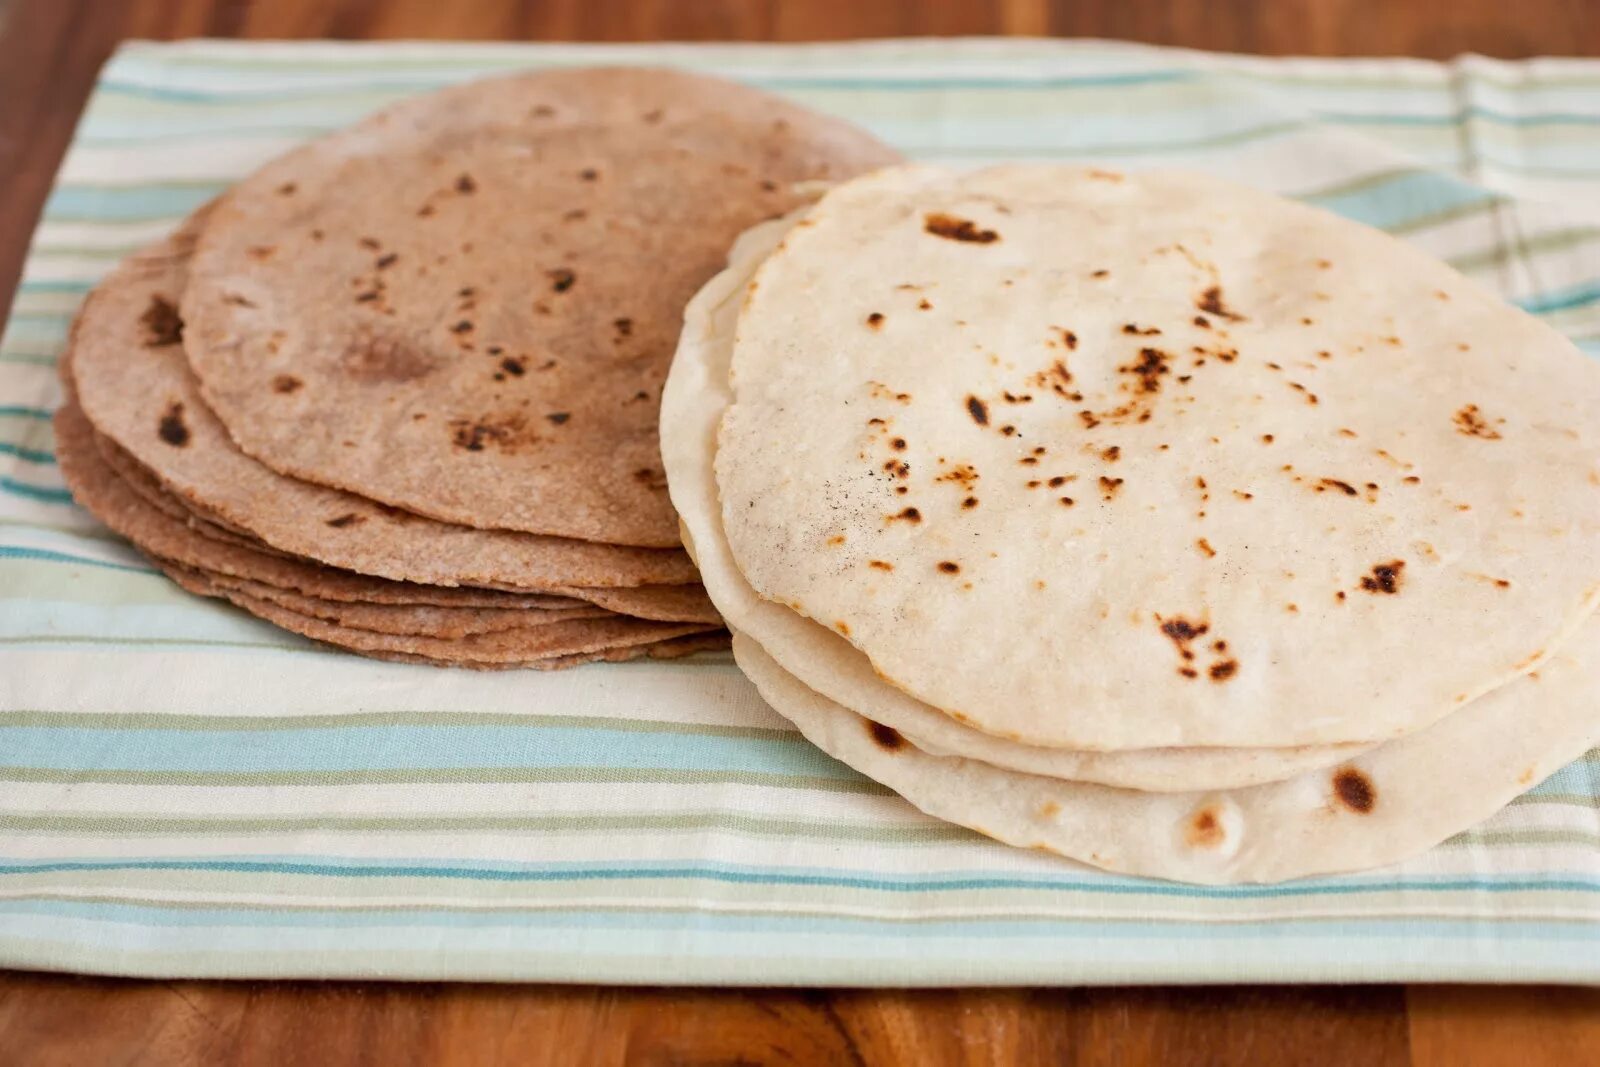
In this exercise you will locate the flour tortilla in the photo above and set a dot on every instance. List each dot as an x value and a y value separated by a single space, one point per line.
1382 807
132 380
1238 498
512 647
695 398
189 543
465 305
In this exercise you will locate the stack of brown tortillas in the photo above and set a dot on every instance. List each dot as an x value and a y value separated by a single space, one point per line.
398 390
1148 520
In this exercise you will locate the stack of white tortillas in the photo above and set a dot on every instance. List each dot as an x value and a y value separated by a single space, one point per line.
397 390
1149 520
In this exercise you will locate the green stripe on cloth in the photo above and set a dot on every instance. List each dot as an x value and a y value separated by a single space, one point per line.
183 791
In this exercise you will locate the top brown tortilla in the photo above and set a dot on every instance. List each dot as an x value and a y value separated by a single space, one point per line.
128 370
465 305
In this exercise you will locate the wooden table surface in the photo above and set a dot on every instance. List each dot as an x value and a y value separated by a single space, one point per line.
49 51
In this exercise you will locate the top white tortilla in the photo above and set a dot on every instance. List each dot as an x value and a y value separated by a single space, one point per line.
1315 486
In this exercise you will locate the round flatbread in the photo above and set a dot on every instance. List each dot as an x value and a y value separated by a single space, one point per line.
1107 462
132 380
1384 806
696 396
192 543
465 305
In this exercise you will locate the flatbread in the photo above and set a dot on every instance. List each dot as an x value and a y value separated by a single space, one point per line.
675 648
1184 464
465 305
1389 804
407 619
98 489
696 395
512 647
132 380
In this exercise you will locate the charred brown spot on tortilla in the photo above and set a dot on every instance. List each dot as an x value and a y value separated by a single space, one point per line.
836 539
465 185
624 327
885 737
559 417
880 565
261 253
842 626
963 474
589 174
238 300
464 326
924 305
969 503
1008 430
952 228
1471 423
949 567
1205 548
287 189
285 383
875 320
1211 303
1354 790
1223 670
1333 483
911 515
978 410
1059 480
1204 829
1099 274
1135 330
1148 370
1112 454
898 444
162 325
513 366
561 279
1028 461
1109 487
651 478
347 519
387 260
1385 577
1202 322
426 211
171 428
368 296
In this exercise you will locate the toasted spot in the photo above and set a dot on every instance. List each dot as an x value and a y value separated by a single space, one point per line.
465 185
561 279
171 428
880 565
949 567
885 737
1333 483
875 320
1354 790
1223 670
843 627
1205 548
1048 810
1109 487
559 417
978 410
956 229
285 383
1211 303
1471 423
1385 577
162 325
1204 829
348 519
911 515
836 539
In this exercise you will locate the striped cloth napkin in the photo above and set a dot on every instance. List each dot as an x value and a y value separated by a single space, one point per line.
185 791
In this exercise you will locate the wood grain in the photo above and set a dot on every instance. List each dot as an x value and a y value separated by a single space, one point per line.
49 52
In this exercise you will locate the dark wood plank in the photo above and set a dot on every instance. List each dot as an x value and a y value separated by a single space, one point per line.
49 52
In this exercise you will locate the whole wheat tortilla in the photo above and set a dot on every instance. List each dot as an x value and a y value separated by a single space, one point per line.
109 498
1184 464
696 395
512 647
133 382
1384 806
673 648
465 305
407 619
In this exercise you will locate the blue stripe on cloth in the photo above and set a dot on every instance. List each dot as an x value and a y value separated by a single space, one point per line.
327 750
49 555
26 454
46 493
1099 884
